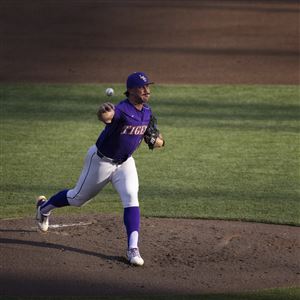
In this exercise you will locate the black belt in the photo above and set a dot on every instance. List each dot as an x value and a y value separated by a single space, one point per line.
113 161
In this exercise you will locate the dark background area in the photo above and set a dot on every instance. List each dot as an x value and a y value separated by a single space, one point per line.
173 41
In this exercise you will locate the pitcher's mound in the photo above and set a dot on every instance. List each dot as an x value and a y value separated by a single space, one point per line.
85 255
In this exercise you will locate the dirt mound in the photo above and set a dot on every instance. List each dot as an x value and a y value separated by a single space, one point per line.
85 255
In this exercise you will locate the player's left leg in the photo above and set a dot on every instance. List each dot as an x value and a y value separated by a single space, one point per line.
60 199
125 181
94 176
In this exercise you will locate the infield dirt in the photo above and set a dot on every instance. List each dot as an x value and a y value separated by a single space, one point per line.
252 42
181 257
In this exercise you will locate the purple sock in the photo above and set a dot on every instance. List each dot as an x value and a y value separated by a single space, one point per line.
58 200
132 224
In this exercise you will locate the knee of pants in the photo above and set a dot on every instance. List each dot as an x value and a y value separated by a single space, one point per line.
77 199
129 200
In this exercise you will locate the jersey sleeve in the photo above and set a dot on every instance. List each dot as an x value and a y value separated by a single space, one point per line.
117 115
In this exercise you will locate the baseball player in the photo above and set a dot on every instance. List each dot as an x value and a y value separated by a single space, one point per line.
110 160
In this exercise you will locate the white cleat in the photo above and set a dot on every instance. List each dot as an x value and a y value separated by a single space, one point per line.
42 220
134 257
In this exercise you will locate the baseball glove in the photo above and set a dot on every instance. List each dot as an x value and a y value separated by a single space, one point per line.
151 133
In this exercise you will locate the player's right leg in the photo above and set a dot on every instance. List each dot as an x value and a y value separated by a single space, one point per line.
125 180
94 176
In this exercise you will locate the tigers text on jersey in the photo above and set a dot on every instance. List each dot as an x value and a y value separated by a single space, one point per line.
123 135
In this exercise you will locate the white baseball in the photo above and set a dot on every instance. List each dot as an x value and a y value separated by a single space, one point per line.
109 92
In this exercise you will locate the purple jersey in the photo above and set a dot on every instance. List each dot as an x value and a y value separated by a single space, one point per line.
123 135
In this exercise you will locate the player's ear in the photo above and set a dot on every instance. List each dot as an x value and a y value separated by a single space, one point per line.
130 91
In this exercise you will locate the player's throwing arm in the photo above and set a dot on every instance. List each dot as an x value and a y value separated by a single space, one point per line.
106 112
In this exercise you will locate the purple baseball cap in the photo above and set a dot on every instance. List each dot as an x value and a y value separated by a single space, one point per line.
137 79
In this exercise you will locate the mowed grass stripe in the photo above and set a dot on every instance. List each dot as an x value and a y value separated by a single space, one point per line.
232 152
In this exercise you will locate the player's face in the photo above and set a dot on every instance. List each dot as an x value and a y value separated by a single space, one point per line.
143 93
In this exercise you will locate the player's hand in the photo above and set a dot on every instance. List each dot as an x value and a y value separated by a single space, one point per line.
106 112
159 142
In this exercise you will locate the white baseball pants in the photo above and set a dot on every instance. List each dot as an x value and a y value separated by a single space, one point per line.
97 172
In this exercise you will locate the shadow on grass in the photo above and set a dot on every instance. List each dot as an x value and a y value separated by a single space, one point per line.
191 112
216 194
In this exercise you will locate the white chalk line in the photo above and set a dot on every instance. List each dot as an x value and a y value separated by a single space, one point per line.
68 225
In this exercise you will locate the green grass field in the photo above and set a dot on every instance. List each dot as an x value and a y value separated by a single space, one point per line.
232 152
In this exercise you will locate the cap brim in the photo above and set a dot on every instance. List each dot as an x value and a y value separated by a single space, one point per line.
138 86
144 84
